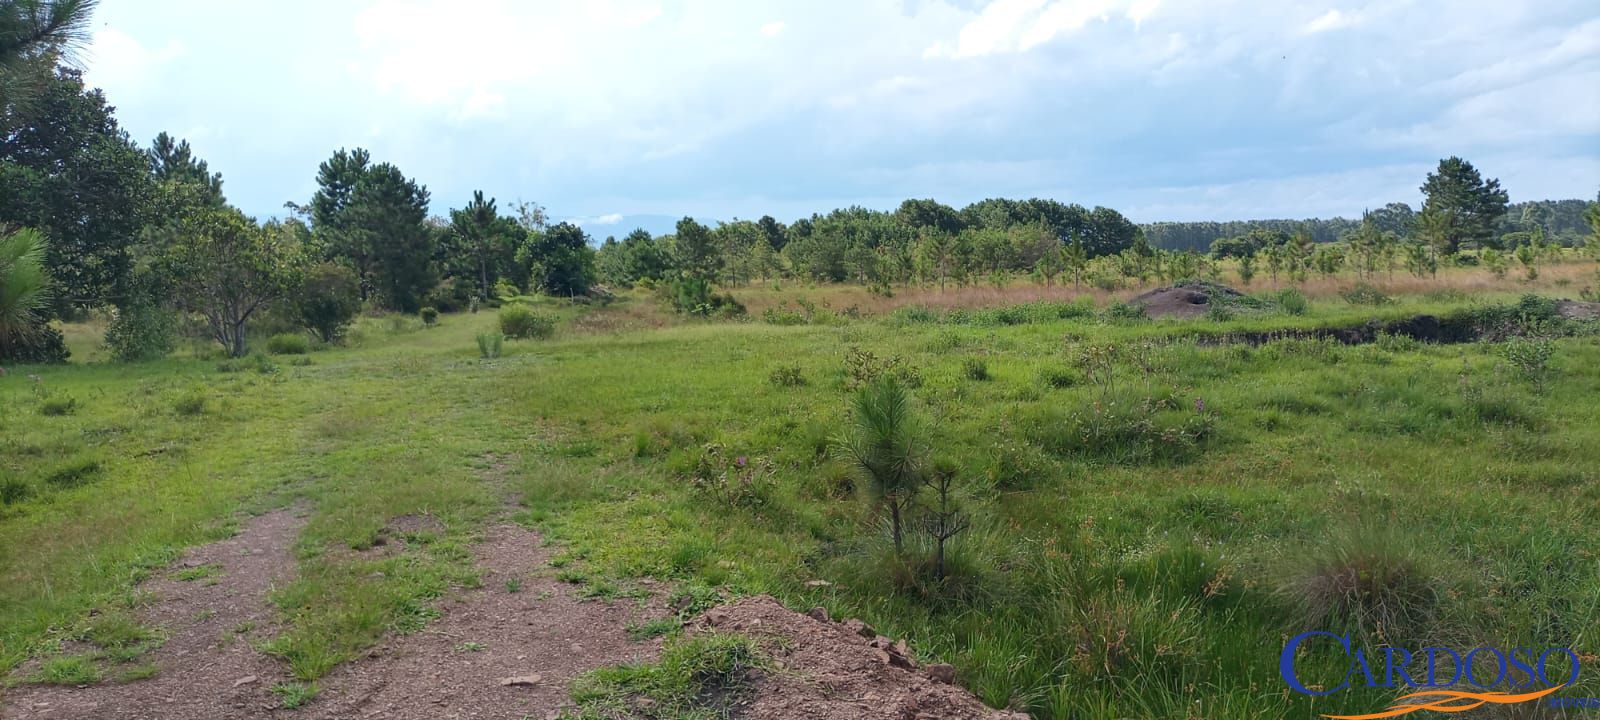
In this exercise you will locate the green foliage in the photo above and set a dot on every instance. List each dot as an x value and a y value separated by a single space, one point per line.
293 695
520 322
694 296
58 405
430 316
1124 312
220 264
560 261
734 481
1460 206
192 402
24 290
489 345
1531 358
787 376
68 670
1293 301
1364 294
886 446
14 490
327 300
974 369
141 331
288 344
863 367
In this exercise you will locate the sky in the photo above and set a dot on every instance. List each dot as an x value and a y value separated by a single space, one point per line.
605 111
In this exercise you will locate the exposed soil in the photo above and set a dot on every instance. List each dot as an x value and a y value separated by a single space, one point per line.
1577 310
1184 300
208 668
824 669
494 653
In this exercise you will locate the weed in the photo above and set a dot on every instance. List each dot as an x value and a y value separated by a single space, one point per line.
975 369
514 585
288 344
192 402
652 628
469 646
696 675
520 322
1293 302
489 345
1530 357
1365 294
735 481
787 376
74 473
293 695
1367 581
199 572
862 367
56 406
68 670
1120 312
14 490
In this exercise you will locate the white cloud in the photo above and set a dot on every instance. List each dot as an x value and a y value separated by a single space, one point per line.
1330 20
120 65
773 29
608 219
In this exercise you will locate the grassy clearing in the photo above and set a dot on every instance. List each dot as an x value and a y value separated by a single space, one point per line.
1149 522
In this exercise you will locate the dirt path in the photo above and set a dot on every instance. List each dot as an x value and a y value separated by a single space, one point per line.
460 666
208 668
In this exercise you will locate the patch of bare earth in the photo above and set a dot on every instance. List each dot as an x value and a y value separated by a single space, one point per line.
1184 300
208 668
494 653
824 669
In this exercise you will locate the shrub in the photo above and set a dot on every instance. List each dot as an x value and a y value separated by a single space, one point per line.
288 344
1217 312
489 345
256 361
1124 312
975 369
141 331
861 367
694 297
38 344
787 376
328 299
1390 342
1530 357
57 406
913 315
1365 294
520 322
73 474
13 491
190 403
886 445
1058 378
1125 430
429 315
1293 302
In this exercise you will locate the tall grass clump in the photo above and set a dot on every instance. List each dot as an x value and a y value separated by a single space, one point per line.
520 322
288 344
1293 302
697 676
489 345
1365 580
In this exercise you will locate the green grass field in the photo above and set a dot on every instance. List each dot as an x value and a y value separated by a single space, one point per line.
1152 517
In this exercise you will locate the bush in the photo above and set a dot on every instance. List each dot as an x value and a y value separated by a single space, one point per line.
787 376
913 315
975 369
489 345
1365 294
430 316
1530 357
1293 302
861 367
288 344
1123 312
38 344
520 322
1058 378
736 482
255 361
327 301
141 331
190 403
694 297
58 406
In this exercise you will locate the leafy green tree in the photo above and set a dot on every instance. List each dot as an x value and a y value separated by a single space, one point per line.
1076 260
639 256
1051 264
376 219
560 260
220 264
483 242
1247 269
695 251
1460 206
929 215
776 234
171 160
886 444
68 170
327 300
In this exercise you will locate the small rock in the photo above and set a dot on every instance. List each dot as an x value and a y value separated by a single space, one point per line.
520 680
942 672
882 641
818 613
900 647
901 661
246 680
859 628
882 656
716 616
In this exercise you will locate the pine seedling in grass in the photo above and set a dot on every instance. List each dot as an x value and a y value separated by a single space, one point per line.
886 446
944 520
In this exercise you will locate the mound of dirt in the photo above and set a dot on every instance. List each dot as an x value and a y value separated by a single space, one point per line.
1187 299
1576 310
843 669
